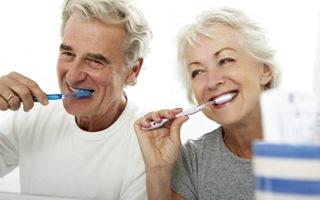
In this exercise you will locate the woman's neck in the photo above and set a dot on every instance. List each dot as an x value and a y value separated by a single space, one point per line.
239 140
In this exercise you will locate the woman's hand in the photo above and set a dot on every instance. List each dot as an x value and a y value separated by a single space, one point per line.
16 89
160 147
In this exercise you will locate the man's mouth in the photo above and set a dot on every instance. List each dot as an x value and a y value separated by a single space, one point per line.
75 90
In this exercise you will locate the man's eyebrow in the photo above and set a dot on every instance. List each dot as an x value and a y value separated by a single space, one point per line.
65 47
99 57
96 56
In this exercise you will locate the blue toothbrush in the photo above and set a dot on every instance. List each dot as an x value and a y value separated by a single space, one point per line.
79 94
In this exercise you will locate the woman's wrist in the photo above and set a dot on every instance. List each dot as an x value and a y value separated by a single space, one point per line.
159 184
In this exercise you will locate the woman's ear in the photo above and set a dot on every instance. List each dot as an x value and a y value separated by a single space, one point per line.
134 72
266 75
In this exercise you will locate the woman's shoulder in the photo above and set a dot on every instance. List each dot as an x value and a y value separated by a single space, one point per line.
216 133
209 138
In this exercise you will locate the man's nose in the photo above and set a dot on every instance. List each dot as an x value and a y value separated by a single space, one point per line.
76 72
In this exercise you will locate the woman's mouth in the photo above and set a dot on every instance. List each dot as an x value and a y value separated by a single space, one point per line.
224 98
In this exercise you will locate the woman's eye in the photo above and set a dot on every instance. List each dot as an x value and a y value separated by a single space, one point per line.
195 73
225 61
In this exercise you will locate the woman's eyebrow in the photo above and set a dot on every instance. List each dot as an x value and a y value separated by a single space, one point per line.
194 63
224 49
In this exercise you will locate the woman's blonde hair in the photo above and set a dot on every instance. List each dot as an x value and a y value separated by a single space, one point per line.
251 36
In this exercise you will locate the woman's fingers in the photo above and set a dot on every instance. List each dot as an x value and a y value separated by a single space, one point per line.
158 117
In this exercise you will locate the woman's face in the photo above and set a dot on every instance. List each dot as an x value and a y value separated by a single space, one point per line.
222 68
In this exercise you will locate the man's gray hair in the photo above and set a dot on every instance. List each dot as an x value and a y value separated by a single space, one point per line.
138 31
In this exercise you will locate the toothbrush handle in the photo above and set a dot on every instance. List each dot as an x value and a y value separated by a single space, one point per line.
51 97
190 111
54 96
155 125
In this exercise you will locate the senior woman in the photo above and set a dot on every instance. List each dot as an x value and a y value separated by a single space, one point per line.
224 54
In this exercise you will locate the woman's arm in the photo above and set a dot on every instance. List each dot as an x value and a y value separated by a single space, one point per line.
160 148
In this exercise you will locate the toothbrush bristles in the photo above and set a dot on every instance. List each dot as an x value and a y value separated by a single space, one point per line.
83 93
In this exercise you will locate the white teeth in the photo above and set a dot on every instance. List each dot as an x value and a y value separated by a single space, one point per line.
224 98
75 90
72 89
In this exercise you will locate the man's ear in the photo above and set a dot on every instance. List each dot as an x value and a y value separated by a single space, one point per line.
266 75
134 72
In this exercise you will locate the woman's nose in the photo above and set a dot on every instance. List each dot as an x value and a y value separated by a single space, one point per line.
215 78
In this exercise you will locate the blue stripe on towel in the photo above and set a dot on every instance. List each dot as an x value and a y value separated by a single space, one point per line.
276 185
286 150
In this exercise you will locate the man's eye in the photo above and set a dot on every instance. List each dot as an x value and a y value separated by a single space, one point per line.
66 55
225 61
95 63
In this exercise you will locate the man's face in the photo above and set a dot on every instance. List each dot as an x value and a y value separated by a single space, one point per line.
92 57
